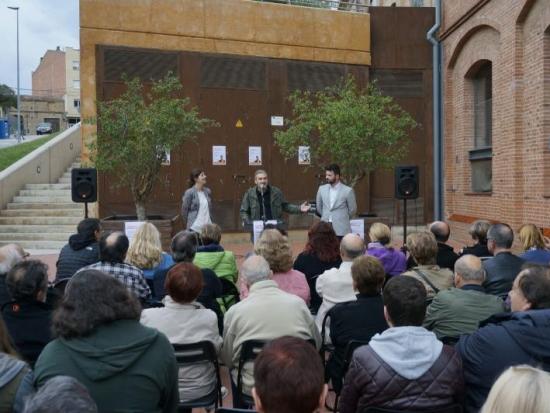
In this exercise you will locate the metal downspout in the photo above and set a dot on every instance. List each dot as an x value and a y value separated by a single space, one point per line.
437 116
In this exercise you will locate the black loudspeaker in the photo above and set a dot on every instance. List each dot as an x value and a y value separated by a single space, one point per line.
406 182
84 185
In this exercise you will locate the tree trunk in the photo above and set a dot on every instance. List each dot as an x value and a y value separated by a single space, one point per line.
140 210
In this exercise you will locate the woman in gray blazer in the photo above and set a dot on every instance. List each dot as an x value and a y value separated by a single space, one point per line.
196 205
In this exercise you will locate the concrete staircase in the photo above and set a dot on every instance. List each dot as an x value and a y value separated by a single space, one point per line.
41 216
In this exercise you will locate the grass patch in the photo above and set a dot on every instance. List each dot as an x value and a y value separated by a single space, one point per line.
12 154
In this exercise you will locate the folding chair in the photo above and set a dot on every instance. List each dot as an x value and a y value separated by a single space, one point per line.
453 408
249 351
325 347
350 348
203 351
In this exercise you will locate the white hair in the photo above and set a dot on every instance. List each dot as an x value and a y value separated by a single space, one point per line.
254 269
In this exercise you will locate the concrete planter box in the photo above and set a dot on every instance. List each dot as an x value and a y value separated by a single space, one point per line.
168 227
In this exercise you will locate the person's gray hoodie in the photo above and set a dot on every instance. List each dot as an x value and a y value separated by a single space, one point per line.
10 369
410 351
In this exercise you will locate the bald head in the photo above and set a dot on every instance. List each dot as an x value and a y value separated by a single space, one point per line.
254 269
468 270
113 247
441 231
352 246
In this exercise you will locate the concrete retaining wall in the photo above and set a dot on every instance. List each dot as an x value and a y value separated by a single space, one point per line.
42 166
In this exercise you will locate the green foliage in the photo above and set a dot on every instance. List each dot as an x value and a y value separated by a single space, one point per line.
361 130
12 154
136 129
8 99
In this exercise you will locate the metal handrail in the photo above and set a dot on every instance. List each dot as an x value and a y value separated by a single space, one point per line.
341 5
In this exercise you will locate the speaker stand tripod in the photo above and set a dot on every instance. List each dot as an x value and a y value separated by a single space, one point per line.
404 221
85 210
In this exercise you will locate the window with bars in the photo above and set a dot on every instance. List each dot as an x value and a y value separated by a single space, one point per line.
482 105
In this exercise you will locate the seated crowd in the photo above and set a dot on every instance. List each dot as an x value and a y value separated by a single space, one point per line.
468 331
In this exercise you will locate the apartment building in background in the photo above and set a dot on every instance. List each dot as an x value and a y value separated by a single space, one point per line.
58 76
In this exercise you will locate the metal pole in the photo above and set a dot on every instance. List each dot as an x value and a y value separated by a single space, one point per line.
404 221
18 88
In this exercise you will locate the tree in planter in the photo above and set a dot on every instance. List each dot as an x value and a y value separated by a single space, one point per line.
361 130
136 130
8 99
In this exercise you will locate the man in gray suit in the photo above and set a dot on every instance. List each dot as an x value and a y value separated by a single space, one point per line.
336 201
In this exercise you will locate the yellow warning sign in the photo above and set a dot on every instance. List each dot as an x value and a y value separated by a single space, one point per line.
239 124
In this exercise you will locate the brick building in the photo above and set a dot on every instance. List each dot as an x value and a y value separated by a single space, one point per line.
496 75
38 109
58 76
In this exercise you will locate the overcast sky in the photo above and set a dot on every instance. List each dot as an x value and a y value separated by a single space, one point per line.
43 25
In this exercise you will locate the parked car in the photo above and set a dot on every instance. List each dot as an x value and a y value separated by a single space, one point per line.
44 128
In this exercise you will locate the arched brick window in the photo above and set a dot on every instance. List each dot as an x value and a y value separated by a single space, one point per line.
480 77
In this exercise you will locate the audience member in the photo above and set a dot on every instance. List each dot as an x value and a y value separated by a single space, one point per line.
185 321
100 342
112 253
446 257
423 249
210 254
61 394
532 242
288 377
81 250
359 319
459 310
10 255
275 248
336 285
266 314
184 247
320 254
15 376
406 367
508 339
503 268
145 251
393 261
519 389
478 232
28 316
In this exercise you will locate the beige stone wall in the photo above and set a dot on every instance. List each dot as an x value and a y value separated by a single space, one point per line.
49 77
72 70
35 109
515 36
239 27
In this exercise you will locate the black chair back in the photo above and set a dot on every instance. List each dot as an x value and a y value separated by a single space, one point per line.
203 351
249 351
453 408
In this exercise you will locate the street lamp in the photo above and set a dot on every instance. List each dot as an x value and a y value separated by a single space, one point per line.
18 90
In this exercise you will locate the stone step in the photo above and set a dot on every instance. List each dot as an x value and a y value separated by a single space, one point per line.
34 187
45 192
66 175
45 199
29 205
38 229
32 236
36 245
39 220
64 181
42 212
75 165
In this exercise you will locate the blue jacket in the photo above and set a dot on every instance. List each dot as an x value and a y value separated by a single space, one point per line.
503 340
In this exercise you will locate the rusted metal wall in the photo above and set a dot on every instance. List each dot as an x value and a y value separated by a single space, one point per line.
230 88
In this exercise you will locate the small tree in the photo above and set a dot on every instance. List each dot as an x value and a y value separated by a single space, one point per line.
8 98
361 130
137 129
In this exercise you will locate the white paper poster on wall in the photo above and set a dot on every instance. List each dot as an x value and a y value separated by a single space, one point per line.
358 227
219 155
277 121
255 155
130 228
303 155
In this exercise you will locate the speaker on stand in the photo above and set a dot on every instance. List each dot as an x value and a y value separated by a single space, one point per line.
84 186
406 187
